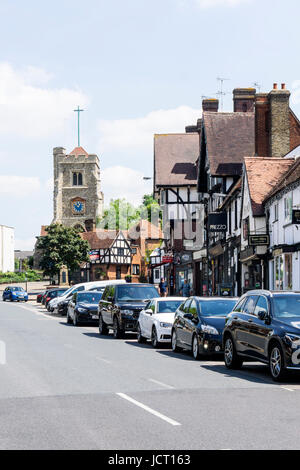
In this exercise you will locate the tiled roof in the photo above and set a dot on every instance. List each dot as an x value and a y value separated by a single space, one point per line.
100 239
79 152
144 229
43 231
262 175
291 176
175 158
229 138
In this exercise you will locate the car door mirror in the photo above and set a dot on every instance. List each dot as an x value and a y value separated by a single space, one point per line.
109 299
262 315
148 311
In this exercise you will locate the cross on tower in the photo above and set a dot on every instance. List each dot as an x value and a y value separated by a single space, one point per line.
78 110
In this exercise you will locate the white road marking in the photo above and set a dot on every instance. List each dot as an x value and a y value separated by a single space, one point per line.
157 382
103 360
149 410
287 388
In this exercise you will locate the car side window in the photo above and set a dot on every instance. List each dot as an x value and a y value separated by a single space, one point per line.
111 293
105 294
74 298
193 309
239 307
250 304
185 307
261 306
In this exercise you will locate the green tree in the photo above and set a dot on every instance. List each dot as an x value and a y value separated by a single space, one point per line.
62 246
121 215
150 209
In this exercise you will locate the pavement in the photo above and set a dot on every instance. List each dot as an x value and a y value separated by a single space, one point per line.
65 387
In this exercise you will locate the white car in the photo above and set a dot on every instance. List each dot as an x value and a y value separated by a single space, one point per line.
156 320
53 304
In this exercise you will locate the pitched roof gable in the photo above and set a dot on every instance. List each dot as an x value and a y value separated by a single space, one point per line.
79 152
291 176
175 158
262 175
229 137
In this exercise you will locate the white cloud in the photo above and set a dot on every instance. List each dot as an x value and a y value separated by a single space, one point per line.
296 92
137 134
19 186
123 182
25 244
33 111
221 3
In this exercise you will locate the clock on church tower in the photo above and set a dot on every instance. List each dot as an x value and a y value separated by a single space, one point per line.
78 199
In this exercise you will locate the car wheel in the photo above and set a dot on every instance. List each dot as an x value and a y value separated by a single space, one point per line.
195 348
4 300
103 330
118 332
232 360
276 363
154 339
175 348
140 338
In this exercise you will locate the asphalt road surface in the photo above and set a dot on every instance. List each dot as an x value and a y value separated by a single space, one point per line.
63 387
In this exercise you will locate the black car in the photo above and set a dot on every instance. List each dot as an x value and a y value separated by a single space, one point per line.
264 326
83 308
199 324
121 305
52 294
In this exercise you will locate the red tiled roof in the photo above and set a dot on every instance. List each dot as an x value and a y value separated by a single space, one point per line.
291 176
229 138
79 152
175 158
100 238
262 175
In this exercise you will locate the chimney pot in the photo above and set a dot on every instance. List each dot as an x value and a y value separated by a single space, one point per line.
275 86
210 105
283 87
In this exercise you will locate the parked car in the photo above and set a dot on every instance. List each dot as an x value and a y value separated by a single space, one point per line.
46 293
40 296
121 305
83 307
59 304
13 293
156 320
264 326
199 324
52 295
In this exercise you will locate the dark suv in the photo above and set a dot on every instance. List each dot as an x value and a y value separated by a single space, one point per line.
264 326
120 307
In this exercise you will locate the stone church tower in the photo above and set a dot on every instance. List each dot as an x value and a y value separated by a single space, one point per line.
78 200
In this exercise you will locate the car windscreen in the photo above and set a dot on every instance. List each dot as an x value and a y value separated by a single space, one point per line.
128 293
216 308
286 305
16 289
165 306
89 297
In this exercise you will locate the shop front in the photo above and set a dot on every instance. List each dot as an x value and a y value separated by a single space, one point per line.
183 270
284 268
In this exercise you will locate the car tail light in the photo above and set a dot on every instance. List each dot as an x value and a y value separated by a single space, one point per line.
48 298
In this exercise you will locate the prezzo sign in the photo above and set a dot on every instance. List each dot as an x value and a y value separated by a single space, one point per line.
296 216
217 222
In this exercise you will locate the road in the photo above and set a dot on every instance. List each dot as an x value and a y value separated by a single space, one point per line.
68 388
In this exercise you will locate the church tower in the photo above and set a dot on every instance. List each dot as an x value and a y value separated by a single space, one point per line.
78 200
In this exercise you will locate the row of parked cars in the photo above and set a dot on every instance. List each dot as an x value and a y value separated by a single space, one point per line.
260 326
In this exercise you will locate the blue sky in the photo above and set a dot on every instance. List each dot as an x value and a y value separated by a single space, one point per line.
136 67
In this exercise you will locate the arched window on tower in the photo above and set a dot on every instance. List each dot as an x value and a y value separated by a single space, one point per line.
77 179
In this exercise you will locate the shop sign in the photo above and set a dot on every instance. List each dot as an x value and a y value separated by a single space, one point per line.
217 222
94 255
259 240
167 259
296 216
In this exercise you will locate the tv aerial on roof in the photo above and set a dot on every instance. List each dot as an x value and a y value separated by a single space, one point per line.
221 93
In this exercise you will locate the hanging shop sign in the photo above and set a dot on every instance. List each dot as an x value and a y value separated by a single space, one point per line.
167 259
259 240
217 222
94 255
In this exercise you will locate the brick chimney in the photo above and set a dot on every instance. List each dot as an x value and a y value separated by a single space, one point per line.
279 121
210 105
243 100
262 116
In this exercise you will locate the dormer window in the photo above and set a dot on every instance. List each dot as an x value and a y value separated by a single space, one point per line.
77 179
